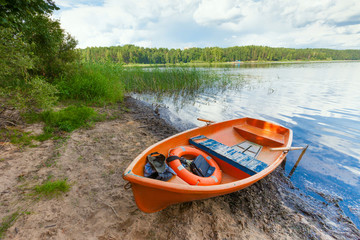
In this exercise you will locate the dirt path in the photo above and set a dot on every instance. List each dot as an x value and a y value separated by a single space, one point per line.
98 207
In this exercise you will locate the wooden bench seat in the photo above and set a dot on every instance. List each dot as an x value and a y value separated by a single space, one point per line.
260 136
228 154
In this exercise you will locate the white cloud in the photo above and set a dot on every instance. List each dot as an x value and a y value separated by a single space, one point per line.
177 24
218 12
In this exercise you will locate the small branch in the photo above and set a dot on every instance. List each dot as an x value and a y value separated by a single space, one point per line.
50 226
109 207
112 209
9 123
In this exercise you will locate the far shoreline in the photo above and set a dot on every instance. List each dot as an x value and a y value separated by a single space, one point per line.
202 64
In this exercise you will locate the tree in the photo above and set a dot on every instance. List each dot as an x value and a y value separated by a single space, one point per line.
53 49
16 55
13 13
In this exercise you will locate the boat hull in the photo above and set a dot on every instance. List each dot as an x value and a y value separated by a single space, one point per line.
149 199
153 195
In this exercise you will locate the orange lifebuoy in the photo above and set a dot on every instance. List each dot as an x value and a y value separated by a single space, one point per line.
189 177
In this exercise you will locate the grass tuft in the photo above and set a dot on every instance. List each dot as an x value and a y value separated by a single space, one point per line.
50 189
68 119
7 223
17 137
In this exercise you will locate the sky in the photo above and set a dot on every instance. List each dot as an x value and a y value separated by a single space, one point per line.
182 24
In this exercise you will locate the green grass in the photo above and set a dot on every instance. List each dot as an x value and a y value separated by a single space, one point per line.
51 189
47 134
56 122
7 223
68 119
92 83
17 137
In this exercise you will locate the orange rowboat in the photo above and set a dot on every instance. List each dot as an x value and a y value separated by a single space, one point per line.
246 150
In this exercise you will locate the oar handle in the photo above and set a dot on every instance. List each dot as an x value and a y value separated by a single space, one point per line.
204 120
287 148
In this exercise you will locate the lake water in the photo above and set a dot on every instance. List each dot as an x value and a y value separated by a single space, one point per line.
320 102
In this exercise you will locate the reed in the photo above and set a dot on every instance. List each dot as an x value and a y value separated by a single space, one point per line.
166 80
108 82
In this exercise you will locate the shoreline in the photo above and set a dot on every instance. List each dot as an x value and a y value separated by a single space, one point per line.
201 64
97 206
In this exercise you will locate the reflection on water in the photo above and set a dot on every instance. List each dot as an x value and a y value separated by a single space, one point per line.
320 102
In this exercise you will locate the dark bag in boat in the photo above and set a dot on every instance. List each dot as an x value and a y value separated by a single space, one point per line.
201 167
156 168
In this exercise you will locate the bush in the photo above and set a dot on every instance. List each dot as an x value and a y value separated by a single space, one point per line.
34 95
69 119
15 58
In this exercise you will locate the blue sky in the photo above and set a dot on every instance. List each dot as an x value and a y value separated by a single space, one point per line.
204 23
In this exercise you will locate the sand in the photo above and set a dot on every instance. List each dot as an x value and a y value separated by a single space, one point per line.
98 207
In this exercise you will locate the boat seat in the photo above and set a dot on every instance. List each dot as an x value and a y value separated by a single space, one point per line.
245 163
260 136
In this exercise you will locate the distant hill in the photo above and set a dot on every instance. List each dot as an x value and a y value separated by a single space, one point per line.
134 54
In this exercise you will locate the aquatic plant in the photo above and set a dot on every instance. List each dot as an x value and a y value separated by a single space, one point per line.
167 80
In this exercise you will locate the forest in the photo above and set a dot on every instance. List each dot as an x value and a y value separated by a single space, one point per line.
131 54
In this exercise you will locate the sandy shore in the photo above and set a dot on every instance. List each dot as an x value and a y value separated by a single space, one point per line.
98 207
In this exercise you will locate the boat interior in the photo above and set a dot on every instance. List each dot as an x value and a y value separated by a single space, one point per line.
241 148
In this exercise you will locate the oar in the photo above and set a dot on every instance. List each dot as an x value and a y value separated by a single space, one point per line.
208 122
287 149
297 162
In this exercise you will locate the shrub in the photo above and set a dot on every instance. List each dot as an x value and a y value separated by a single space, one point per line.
35 94
15 58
